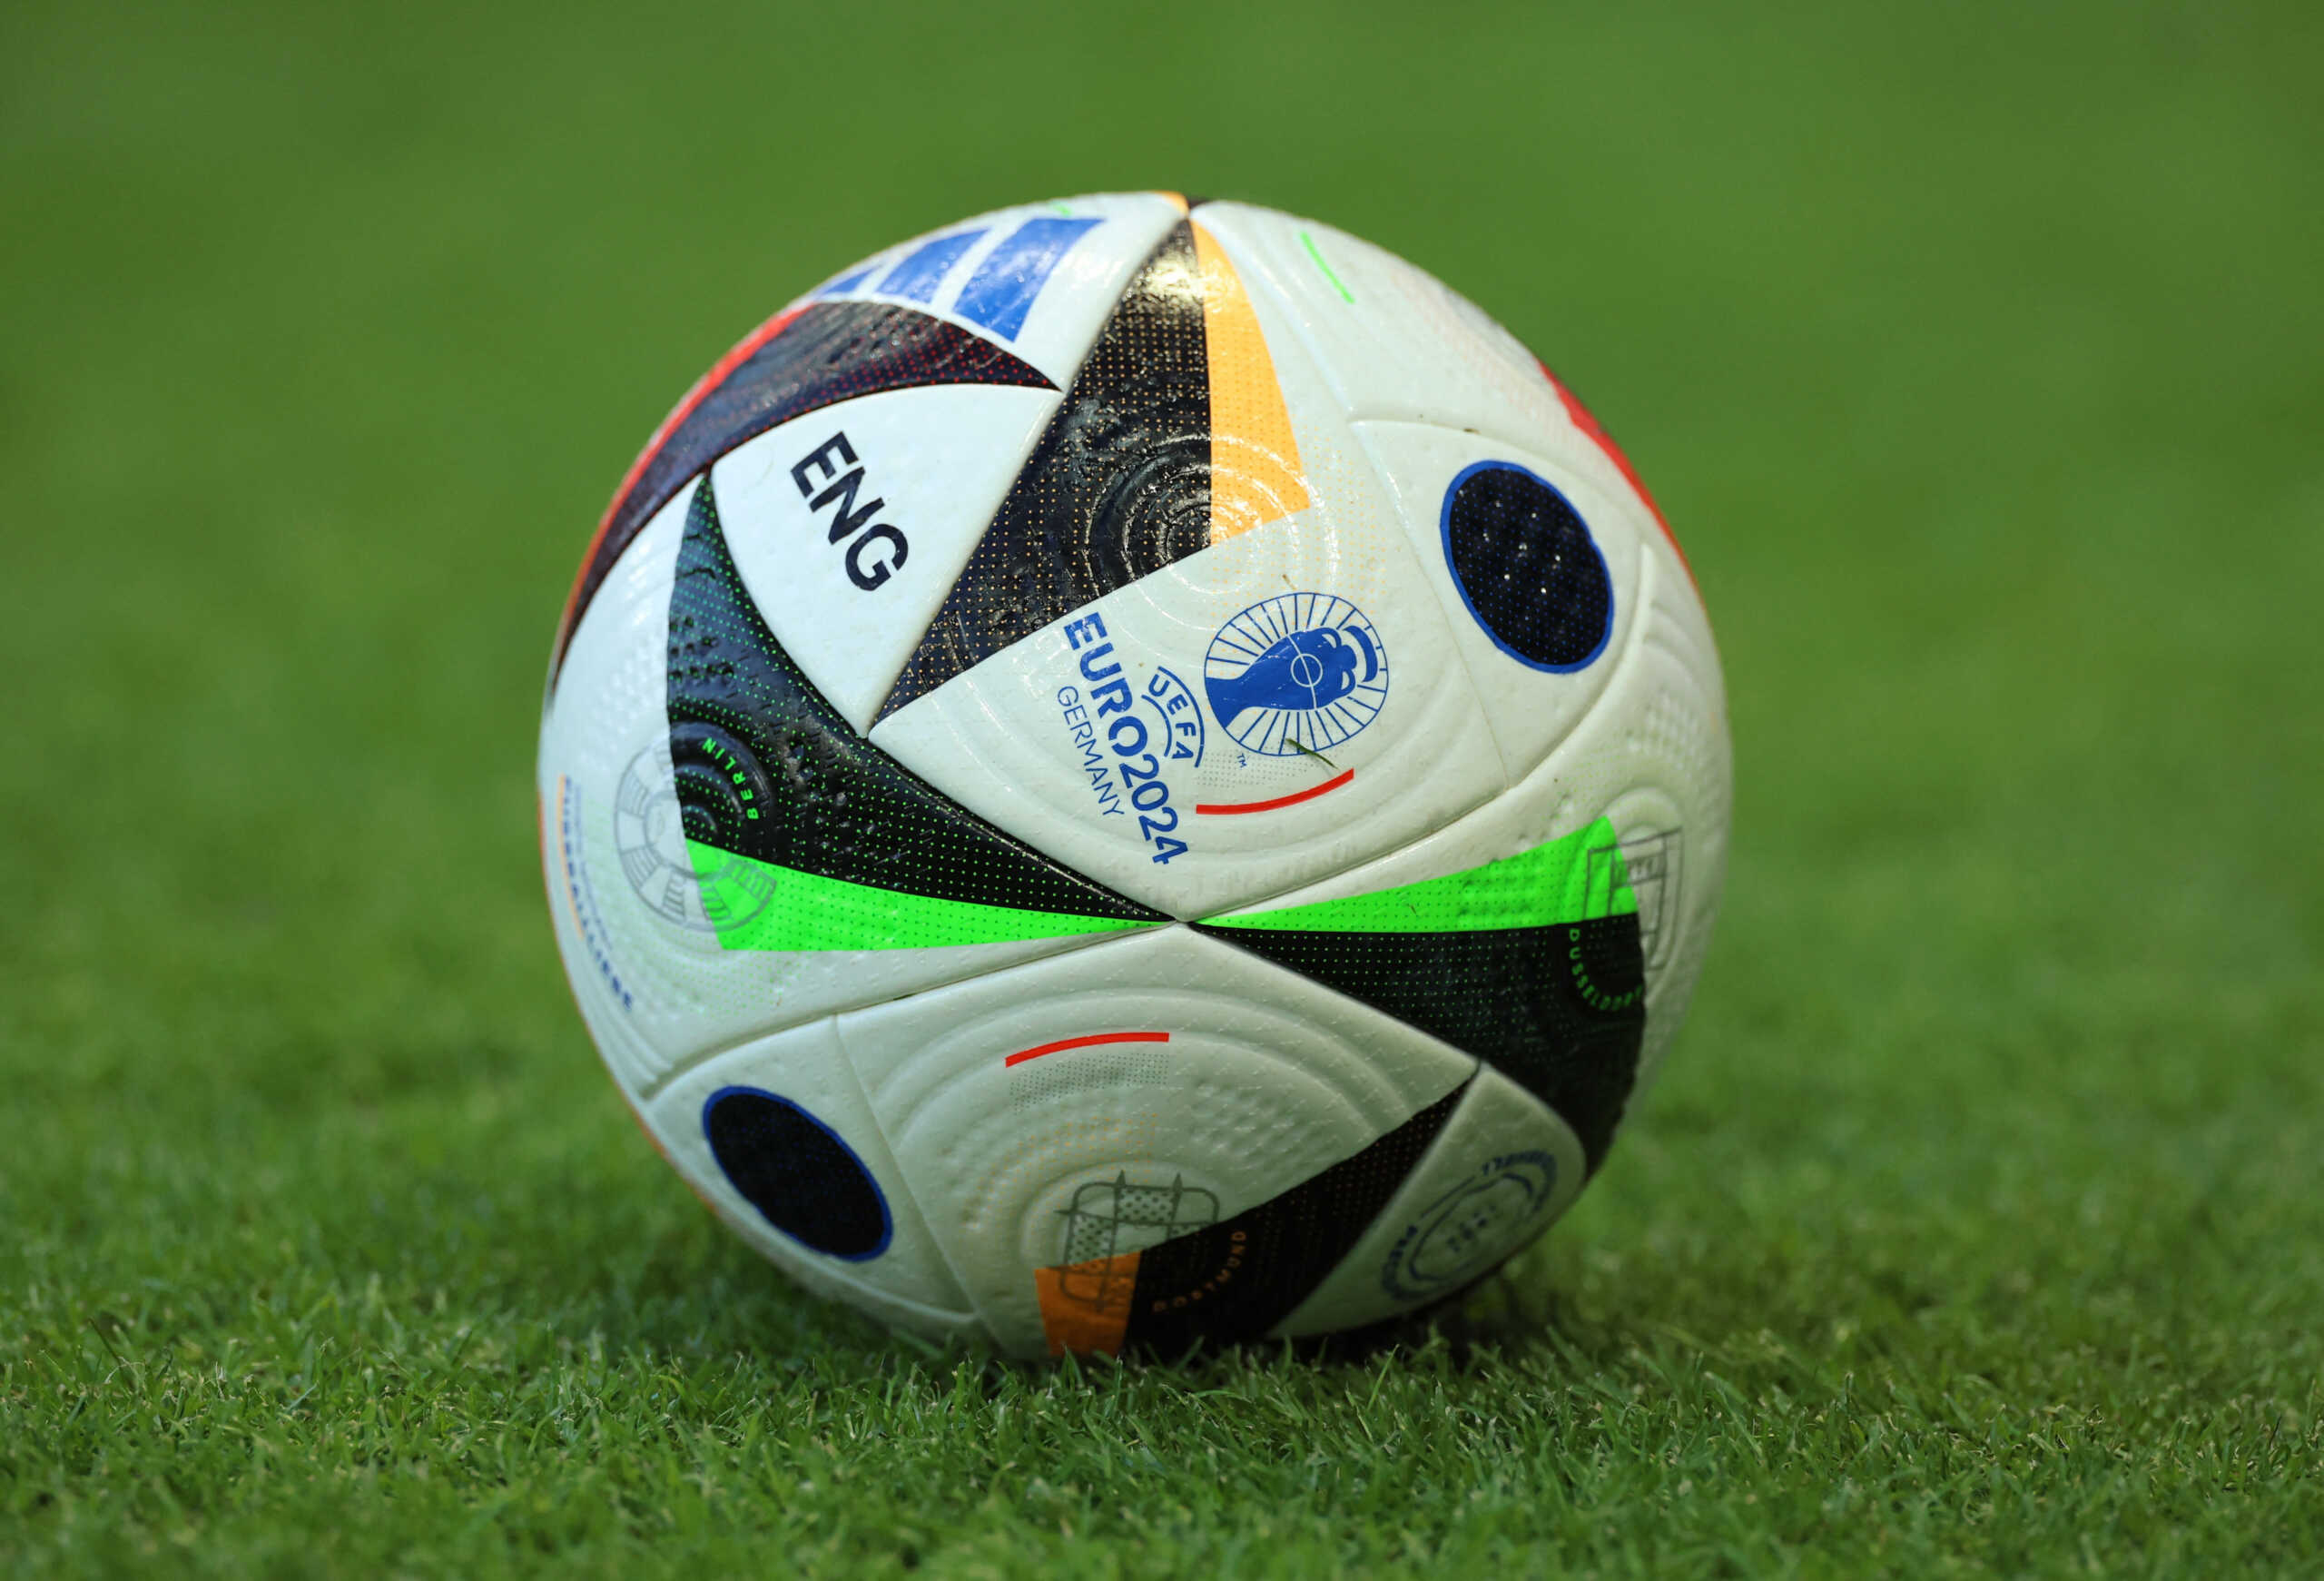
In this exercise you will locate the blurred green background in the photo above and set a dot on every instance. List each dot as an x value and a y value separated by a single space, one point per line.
1976 354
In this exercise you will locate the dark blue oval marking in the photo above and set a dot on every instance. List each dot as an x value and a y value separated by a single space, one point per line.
1527 567
798 1173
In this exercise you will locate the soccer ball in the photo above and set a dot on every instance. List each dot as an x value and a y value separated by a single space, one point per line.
1133 771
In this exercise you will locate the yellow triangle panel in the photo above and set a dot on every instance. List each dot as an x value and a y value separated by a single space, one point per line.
1255 473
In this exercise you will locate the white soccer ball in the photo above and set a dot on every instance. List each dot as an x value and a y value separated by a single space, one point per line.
1129 772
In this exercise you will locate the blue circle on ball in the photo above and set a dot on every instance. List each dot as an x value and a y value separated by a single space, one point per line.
798 1173
1527 567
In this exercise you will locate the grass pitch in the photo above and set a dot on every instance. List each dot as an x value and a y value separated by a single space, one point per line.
1976 1225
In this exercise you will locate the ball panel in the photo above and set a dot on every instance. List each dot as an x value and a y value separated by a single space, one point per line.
783 1203
1117 486
813 357
1022 1104
1670 741
1398 345
1017 305
1100 738
806 358
671 951
1641 785
1394 341
1532 963
850 526
768 769
1500 1172
614 882
1293 670
1037 278
1233 1281
1432 386
1531 706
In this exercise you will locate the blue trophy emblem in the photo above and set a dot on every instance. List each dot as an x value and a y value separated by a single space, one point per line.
1297 673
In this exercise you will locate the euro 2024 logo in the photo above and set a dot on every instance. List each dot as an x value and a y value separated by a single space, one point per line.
1296 673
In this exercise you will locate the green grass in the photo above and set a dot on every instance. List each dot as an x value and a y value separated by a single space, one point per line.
1975 1226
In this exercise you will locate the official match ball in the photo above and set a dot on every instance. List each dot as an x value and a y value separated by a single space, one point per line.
1128 773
